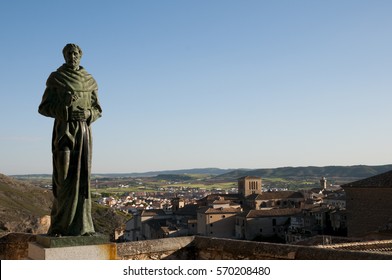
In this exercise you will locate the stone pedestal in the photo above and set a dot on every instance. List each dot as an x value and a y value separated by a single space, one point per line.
72 248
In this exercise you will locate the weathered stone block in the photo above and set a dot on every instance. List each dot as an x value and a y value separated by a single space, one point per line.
89 252
68 241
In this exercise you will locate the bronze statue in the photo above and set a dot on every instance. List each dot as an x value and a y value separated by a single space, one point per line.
71 99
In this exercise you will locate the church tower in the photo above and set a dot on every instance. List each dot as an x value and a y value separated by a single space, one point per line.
323 183
249 185
177 203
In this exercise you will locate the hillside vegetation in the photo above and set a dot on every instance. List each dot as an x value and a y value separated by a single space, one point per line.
22 205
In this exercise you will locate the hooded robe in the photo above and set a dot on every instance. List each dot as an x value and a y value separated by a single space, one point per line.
69 90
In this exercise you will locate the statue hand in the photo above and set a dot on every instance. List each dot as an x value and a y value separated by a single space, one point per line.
80 115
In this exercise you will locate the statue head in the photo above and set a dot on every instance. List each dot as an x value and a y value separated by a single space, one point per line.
72 54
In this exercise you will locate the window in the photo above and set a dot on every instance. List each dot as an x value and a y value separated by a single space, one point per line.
223 216
274 222
261 230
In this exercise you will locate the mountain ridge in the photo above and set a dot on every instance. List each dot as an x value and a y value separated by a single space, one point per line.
207 171
354 172
350 172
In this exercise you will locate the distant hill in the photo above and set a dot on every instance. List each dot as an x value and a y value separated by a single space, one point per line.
194 171
342 173
174 177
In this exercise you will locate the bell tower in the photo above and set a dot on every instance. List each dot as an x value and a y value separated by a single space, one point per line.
249 185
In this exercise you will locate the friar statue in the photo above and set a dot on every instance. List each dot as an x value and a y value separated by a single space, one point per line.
71 99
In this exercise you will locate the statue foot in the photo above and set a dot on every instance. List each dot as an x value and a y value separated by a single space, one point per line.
55 234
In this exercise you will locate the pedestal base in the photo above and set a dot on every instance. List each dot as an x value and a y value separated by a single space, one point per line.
67 241
89 252
95 247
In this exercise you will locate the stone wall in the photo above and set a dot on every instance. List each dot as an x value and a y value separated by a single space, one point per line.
228 249
206 248
368 210
176 248
14 246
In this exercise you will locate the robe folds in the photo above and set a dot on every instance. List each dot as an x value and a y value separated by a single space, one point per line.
69 90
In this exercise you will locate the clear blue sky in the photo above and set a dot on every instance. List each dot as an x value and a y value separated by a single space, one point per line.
223 83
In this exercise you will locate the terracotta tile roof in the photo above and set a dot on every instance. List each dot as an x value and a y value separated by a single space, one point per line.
319 240
153 212
212 197
221 202
209 210
383 180
315 208
384 246
273 212
279 195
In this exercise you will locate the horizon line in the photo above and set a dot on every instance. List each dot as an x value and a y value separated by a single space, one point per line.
196 168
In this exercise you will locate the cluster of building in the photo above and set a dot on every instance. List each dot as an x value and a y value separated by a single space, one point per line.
250 214
136 202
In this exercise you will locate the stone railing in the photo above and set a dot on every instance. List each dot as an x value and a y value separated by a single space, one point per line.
14 246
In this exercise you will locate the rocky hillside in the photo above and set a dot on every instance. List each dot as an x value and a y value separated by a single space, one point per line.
26 208
23 206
